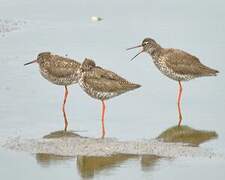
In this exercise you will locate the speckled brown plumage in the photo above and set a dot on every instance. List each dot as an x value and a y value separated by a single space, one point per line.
58 70
102 84
175 64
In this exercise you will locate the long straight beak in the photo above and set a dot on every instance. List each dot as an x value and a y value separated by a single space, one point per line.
34 61
134 47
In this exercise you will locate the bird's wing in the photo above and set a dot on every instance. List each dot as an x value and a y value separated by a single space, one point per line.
62 67
182 62
106 81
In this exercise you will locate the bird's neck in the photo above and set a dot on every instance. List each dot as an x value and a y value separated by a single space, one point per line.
44 64
155 51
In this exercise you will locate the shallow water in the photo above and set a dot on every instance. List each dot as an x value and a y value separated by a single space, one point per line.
30 106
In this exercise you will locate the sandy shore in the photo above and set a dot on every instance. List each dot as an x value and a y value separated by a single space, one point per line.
73 146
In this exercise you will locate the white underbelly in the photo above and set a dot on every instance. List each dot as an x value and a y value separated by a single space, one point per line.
170 73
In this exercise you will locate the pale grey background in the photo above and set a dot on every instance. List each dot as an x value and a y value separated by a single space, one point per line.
31 107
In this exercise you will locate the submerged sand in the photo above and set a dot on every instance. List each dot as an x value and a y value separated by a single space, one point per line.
74 146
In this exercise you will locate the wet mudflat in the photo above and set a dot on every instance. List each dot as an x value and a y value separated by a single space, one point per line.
30 107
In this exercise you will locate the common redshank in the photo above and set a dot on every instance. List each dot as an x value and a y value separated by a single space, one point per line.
175 64
102 84
60 71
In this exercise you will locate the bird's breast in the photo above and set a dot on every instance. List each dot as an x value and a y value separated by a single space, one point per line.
63 81
164 69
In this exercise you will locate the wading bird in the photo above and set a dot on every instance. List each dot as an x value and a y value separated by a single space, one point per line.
60 71
102 84
175 64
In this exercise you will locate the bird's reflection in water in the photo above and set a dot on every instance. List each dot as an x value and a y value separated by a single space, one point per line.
89 166
61 134
149 161
46 160
186 134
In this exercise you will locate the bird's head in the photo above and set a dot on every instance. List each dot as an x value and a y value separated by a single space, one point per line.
87 65
147 45
40 58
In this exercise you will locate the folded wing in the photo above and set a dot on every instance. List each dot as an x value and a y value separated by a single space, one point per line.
102 80
184 63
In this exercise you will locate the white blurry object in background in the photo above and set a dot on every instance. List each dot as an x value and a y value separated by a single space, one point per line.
95 18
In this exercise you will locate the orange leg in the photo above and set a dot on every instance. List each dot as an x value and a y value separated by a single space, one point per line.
63 109
178 103
103 117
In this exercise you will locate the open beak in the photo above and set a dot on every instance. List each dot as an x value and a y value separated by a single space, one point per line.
137 53
34 61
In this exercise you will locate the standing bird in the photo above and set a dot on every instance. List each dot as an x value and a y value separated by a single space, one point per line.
102 84
58 70
175 64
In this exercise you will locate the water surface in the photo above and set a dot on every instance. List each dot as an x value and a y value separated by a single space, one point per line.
30 106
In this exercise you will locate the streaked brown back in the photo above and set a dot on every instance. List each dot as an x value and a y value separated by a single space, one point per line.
59 66
184 63
107 81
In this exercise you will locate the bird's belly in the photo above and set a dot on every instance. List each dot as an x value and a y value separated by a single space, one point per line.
170 73
96 94
63 81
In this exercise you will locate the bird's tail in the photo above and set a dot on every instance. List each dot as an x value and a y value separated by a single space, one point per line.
131 86
209 71
134 86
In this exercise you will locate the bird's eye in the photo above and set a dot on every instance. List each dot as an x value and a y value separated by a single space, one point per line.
145 43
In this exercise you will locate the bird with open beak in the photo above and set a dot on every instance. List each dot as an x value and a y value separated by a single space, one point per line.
175 64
